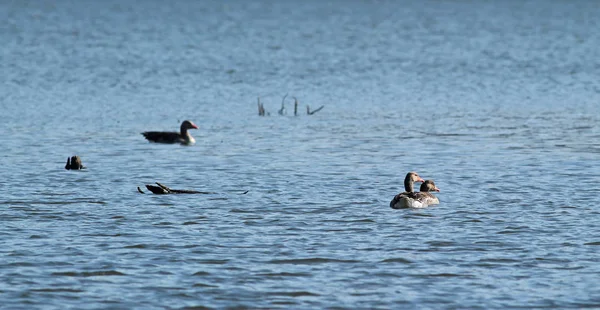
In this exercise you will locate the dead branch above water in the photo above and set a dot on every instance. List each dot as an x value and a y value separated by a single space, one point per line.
282 110
309 112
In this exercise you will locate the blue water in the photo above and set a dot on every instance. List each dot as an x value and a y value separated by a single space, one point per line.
497 101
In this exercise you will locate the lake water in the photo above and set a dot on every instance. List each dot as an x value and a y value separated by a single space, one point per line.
497 101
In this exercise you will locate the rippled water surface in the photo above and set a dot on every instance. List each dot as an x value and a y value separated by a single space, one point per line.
497 101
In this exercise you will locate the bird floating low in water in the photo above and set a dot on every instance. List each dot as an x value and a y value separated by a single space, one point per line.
74 163
182 137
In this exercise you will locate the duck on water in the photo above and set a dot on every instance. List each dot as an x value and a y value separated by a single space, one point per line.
182 137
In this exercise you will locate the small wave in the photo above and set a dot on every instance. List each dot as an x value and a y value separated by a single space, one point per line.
15 202
569 268
499 260
21 264
441 243
57 290
444 275
309 261
397 260
592 243
351 221
196 308
69 202
472 221
204 285
513 230
240 211
101 273
293 294
214 261
386 275
448 134
101 235
418 214
285 274
360 203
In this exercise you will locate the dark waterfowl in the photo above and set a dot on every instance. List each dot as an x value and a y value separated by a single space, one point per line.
183 137
409 182
162 189
74 163
421 199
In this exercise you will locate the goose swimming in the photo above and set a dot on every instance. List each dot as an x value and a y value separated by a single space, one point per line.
183 136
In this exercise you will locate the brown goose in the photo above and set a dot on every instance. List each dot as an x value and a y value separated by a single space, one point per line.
182 137
409 181
420 199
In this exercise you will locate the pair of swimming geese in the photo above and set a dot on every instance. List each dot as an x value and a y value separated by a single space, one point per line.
407 199
412 199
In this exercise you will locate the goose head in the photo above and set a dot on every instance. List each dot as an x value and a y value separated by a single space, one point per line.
410 179
429 186
188 125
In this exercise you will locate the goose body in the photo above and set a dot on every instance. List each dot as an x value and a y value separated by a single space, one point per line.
182 137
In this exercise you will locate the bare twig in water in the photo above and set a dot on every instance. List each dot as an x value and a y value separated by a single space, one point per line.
295 106
261 109
282 110
140 190
309 112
